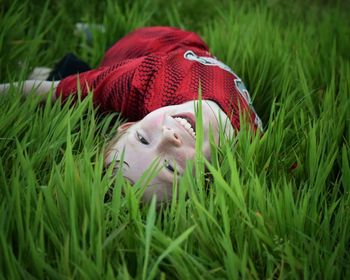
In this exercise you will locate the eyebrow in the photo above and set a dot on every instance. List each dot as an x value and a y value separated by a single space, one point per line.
124 162
118 160
117 168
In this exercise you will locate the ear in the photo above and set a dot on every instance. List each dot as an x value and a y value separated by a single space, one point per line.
125 126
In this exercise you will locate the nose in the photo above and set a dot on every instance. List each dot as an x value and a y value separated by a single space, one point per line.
171 137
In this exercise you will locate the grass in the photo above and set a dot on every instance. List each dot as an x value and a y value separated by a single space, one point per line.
276 206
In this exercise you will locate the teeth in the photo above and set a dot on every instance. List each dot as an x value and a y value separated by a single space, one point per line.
186 125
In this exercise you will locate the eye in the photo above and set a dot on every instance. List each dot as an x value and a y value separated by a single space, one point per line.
169 166
141 139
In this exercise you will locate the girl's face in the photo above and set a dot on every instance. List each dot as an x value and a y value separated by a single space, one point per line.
166 136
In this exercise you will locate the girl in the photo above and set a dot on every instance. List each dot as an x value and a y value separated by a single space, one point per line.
153 77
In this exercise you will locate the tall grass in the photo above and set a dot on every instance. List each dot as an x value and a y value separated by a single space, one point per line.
275 206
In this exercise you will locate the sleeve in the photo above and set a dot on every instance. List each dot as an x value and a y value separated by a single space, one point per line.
111 86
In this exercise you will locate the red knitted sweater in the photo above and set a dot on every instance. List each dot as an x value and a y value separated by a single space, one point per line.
154 67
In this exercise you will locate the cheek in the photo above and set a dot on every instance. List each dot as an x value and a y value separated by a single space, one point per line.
190 154
206 150
162 193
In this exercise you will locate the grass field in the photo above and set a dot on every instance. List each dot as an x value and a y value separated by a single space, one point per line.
276 207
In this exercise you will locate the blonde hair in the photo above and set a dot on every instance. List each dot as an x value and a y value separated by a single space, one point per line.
122 130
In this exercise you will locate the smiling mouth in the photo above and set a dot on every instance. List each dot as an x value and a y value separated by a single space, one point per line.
187 121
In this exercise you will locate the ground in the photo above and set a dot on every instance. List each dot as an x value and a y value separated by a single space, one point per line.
275 206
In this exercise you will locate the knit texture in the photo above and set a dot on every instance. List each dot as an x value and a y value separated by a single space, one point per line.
159 66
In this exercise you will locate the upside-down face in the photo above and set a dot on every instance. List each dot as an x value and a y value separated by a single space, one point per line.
166 136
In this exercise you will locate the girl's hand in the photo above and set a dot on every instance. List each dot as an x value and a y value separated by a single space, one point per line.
41 88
